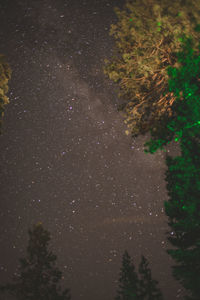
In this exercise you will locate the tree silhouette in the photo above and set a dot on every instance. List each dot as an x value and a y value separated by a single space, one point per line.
128 287
39 278
183 210
133 287
148 286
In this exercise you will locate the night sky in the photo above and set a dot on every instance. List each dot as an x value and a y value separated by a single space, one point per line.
65 158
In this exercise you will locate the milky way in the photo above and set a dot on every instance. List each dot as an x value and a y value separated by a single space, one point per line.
65 158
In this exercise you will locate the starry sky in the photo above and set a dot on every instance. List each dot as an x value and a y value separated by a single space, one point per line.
65 158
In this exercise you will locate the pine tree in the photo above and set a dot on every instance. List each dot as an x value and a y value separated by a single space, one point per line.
137 287
183 210
148 33
128 280
148 286
39 278
182 176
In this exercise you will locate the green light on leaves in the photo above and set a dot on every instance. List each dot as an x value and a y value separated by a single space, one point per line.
179 133
158 24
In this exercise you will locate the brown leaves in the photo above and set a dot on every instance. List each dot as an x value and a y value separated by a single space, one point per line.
147 53
5 75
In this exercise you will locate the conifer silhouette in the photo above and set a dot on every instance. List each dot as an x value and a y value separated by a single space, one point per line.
39 278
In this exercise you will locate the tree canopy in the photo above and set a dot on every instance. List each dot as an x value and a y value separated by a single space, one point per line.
148 33
184 82
182 176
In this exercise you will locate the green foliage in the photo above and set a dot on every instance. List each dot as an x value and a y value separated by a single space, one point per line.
148 34
38 277
133 287
182 176
5 76
184 82
183 210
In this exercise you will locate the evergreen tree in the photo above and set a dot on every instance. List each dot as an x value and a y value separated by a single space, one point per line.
148 33
133 287
39 278
5 75
128 280
183 210
182 176
148 286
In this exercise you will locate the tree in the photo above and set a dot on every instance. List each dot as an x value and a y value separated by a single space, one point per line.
148 286
183 210
147 37
128 280
39 278
5 75
133 287
184 82
182 175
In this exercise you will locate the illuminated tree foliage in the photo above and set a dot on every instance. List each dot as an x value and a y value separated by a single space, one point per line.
39 278
183 174
147 36
184 82
134 288
5 75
